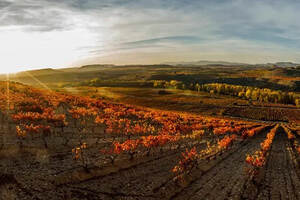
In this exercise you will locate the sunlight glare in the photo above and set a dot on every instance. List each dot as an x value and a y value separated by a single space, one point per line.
23 50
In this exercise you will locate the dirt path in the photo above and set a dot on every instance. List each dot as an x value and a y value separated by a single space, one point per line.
138 182
225 180
222 178
146 180
281 180
143 181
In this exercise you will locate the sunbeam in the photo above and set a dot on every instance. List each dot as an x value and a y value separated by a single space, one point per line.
38 81
7 92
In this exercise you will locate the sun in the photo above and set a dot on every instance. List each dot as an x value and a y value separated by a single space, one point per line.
9 70
22 50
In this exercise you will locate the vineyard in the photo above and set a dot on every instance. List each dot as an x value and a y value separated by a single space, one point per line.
59 146
267 114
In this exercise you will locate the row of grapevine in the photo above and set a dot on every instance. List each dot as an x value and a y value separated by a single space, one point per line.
131 130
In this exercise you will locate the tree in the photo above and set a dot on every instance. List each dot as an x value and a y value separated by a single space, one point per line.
197 87
248 94
241 94
297 102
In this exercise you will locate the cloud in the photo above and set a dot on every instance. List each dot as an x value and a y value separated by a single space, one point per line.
32 16
4 4
153 43
177 39
178 27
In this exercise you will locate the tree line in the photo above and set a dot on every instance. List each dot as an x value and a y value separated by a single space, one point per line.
245 92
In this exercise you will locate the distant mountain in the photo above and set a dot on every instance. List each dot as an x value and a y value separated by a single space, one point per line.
100 67
168 71
206 62
286 64
87 68
224 63
62 75
38 72
95 67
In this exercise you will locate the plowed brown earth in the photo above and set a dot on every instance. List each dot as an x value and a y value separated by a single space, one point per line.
226 180
281 180
221 178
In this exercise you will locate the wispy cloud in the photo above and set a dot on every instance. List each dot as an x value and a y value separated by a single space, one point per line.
122 29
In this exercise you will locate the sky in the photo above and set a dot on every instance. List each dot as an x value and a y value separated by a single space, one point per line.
64 33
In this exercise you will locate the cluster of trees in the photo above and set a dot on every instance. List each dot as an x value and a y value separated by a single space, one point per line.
251 93
246 92
173 84
97 82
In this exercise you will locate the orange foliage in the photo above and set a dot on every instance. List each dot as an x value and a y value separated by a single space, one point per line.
259 158
188 161
226 141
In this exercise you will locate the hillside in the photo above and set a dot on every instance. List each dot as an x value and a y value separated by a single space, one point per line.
263 76
55 145
206 62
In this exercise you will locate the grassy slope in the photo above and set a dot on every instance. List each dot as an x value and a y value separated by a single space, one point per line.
268 77
193 102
